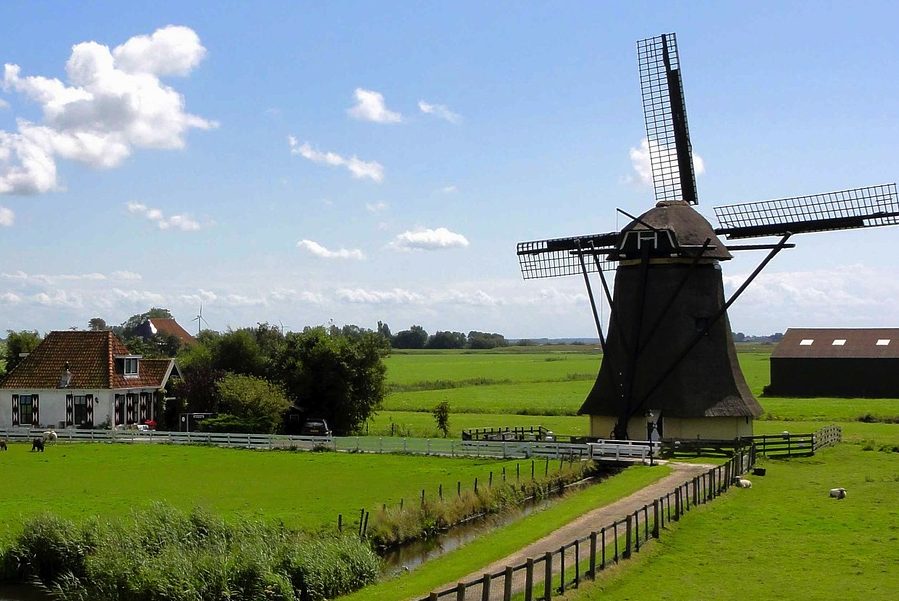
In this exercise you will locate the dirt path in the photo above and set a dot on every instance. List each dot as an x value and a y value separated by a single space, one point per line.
582 526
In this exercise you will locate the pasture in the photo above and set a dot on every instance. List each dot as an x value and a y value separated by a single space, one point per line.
301 489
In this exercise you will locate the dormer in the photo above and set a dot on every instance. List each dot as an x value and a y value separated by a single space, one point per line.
128 365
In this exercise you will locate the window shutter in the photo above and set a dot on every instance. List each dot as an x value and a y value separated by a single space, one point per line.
15 410
89 401
36 422
70 410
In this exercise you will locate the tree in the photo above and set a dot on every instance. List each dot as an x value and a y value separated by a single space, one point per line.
441 416
254 400
444 340
414 337
19 343
332 376
384 331
97 324
483 340
239 352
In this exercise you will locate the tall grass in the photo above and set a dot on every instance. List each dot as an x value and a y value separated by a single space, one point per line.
164 553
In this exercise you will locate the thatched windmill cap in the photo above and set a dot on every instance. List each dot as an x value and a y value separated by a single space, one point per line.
690 229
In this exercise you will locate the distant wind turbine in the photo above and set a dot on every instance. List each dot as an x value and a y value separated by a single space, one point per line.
200 320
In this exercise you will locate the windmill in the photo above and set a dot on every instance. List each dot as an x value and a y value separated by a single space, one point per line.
200 320
669 352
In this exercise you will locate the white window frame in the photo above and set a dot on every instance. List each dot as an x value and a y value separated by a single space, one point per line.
806 342
838 342
883 342
131 373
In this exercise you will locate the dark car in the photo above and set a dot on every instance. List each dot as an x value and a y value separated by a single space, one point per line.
315 427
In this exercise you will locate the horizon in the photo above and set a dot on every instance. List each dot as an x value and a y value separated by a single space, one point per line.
308 165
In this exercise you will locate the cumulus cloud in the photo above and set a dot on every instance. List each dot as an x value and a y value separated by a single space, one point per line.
440 111
370 106
357 167
114 102
429 239
378 297
181 222
3 104
318 250
10 298
642 164
375 207
42 278
7 217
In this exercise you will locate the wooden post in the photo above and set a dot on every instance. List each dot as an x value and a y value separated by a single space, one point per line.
602 565
422 497
637 530
656 515
546 468
529 579
361 519
615 533
460 592
504 473
507 585
432 597
340 522
677 504
548 576
532 469
485 588
490 481
517 472
440 491
593 554
629 533
476 485
561 568
577 563
459 488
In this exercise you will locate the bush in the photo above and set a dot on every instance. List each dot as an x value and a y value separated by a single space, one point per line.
233 424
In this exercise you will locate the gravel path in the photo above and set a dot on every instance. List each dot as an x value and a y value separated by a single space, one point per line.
582 526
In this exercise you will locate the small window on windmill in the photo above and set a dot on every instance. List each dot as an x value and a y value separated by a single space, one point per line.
839 342
645 237
806 341
883 342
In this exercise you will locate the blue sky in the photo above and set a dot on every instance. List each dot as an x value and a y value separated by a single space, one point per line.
299 163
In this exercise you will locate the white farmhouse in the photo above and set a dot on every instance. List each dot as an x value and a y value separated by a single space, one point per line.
83 379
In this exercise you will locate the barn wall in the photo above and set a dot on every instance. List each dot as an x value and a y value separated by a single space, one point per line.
835 377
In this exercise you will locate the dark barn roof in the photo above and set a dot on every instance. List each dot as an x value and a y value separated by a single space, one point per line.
164 326
91 360
836 343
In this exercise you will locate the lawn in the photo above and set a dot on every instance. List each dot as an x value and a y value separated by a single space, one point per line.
782 539
302 489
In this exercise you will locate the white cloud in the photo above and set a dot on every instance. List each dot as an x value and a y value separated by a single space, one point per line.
378 297
40 278
125 275
641 162
7 217
181 222
10 298
291 295
140 296
448 189
357 167
429 239
114 102
3 104
320 251
440 111
375 207
370 107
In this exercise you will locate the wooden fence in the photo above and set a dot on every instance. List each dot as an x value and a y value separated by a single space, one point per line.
786 444
542 577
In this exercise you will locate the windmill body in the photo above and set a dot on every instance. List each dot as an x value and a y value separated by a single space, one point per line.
669 357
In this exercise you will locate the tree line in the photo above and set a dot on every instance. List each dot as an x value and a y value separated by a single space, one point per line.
417 338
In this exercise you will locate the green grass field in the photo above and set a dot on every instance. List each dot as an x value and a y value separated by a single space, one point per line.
305 490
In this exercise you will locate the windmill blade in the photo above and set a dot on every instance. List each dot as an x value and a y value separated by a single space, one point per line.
870 206
562 256
667 134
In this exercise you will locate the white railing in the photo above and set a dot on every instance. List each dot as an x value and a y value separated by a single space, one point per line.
609 449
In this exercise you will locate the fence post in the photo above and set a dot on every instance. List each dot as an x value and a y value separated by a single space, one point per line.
615 533
485 588
529 579
460 592
577 563
507 585
655 518
593 554
629 533
637 530
440 490
677 504
548 576
602 565
458 488
562 569
433 597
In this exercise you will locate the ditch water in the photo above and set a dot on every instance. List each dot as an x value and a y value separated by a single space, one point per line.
412 554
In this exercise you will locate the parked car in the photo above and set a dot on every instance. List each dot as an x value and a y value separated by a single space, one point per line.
315 427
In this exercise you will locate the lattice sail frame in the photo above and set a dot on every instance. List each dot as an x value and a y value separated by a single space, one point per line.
870 206
667 133
561 256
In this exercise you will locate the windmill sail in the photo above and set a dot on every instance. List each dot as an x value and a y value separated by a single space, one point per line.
562 256
667 134
870 206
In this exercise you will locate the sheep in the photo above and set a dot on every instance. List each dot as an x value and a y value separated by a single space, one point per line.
37 445
49 436
2 445
742 482
838 493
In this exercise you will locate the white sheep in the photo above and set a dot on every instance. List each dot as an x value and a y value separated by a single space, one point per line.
49 436
838 493
742 482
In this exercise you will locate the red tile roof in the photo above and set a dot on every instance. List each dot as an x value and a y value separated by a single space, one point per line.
857 343
91 358
167 326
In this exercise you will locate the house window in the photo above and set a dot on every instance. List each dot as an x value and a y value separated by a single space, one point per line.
839 342
26 409
80 410
883 342
131 365
806 341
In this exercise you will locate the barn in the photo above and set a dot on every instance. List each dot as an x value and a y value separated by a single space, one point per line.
836 362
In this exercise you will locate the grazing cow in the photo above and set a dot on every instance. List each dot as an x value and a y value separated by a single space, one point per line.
838 493
2 445
49 436
37 445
